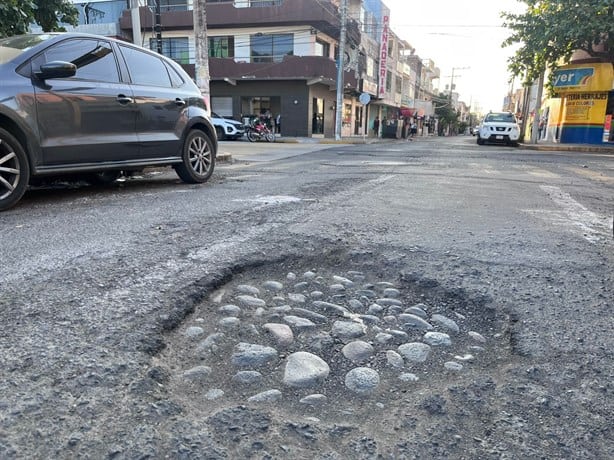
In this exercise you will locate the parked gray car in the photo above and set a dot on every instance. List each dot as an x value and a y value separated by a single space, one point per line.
94 106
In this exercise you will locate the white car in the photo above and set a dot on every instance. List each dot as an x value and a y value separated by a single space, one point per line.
227 128
499 127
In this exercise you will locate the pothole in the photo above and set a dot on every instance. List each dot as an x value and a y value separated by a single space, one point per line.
325 342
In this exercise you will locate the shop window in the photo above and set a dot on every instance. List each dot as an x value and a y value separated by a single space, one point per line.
222 47
271 47
322 48
176 48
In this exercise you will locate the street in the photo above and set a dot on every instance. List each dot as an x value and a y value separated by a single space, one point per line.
426 299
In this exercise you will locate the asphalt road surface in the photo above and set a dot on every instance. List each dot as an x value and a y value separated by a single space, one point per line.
427 299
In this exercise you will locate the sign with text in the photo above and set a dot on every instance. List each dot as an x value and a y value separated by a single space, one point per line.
583 78
383 58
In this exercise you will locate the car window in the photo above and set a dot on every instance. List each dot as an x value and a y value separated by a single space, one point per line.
94 59
145 68
176 79
501 117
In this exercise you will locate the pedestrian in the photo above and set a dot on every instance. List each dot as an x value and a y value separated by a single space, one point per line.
376 127
413 129
278 123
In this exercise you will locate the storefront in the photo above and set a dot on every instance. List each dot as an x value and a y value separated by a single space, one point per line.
586 105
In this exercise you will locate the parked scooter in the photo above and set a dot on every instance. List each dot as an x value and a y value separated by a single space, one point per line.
257 131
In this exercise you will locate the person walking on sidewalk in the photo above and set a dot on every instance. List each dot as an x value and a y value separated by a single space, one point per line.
376 127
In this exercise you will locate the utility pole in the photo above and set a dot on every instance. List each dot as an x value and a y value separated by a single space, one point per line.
136 23
158 27
201 62
538 101
340 65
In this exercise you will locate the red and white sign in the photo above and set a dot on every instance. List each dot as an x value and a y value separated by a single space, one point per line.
383 58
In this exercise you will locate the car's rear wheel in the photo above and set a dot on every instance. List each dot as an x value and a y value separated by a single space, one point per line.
14 170
198 158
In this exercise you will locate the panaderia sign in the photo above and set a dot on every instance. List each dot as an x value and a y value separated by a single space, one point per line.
383 58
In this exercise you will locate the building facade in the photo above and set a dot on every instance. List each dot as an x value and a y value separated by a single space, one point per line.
279 58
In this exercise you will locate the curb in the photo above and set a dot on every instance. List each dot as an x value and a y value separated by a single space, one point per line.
569 148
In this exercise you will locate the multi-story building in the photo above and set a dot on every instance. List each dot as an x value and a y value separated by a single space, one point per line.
279 57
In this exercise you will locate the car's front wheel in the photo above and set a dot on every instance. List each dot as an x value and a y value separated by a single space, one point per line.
220 133
198 158
480 140
14 170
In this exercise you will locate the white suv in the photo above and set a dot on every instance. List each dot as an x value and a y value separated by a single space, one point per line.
227 128
500 127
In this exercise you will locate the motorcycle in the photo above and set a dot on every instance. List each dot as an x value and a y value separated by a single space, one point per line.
259 131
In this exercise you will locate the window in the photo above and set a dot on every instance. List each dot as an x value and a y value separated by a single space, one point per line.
176 48
169 5
322 48
145 68
388 82
398 83
271 48
94 59
222 47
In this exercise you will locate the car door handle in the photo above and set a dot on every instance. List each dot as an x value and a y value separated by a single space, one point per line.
124 99
180 102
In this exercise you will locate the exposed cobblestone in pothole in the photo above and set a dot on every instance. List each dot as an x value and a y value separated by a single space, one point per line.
311 335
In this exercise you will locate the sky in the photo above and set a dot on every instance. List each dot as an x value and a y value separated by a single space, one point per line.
463 37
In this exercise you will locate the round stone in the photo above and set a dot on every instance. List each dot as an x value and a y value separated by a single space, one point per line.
266 396
410 321
392 293
453 366
298 322
248 289
304 370
408 377
445 322
394 359
477 337
314 399
281 333
273 286
437 339
251 301
348 329
249 354
230 310
415 352
383 338
362 380
357 351
297 298
229 322
247 377
419 310
197 373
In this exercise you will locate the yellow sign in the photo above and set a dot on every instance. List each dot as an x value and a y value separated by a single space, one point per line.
584 78
585 108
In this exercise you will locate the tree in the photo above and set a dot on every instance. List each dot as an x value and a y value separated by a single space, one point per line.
448 117
16 16
551 30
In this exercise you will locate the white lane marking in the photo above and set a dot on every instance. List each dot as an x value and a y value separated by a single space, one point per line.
271 199
574 215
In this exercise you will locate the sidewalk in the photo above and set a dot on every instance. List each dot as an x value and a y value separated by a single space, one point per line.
549 146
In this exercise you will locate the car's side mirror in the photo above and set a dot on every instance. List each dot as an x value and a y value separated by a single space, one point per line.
56 69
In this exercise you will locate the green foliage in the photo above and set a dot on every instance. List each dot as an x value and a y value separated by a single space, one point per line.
17 15
448 117
551 30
